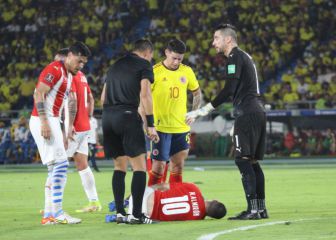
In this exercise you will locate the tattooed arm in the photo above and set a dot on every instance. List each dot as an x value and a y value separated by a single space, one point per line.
197 98
39 98
72 113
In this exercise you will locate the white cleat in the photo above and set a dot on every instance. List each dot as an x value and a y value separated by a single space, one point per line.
67 219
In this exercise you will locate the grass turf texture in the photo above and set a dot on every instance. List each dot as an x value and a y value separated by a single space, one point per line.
294 192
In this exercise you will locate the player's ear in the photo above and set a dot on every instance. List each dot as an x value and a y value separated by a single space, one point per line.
167 52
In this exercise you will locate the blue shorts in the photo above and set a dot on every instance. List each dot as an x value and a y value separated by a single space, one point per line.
170 144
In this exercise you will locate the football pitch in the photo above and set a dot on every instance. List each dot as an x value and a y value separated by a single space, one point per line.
301 201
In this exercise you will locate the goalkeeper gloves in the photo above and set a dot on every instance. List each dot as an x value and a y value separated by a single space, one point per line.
203 111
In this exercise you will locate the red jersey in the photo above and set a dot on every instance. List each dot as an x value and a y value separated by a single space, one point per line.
82 89
183 201
59 80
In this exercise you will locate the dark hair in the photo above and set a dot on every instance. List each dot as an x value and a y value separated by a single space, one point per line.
216 209
228 30
79 48
63 51
226 25
177 46
142 45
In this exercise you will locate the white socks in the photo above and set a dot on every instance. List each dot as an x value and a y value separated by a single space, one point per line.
89 184
58 178
47 194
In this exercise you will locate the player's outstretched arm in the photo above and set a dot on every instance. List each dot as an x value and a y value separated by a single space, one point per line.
203 111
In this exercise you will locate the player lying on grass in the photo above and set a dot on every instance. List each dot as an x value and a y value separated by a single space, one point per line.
177 202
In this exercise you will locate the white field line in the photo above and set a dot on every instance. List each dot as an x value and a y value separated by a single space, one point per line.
212 236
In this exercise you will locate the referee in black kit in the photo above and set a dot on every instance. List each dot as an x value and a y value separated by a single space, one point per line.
127 86
250 118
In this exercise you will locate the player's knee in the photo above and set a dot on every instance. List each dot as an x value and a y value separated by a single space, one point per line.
158 166
120 165
243 164
81 165
177 168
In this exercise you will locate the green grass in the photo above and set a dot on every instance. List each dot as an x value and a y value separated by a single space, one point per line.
304 192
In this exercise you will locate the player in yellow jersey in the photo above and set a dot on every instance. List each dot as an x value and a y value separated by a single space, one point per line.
172 80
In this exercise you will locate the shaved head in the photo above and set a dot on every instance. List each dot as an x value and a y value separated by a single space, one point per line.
228 30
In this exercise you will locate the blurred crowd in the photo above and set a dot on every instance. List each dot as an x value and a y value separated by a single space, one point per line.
293 52
302 142
16 143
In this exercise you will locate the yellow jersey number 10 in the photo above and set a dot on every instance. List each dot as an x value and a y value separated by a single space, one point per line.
174 92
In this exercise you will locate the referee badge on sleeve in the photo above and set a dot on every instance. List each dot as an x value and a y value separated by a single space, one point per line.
231 69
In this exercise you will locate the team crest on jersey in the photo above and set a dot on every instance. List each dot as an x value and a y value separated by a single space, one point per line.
164 79
83 79
155 152
183 79
49 77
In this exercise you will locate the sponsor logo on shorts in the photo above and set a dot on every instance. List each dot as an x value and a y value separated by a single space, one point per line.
155 152
59 152
188 138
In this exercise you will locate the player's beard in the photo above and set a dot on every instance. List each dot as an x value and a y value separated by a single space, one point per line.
74 72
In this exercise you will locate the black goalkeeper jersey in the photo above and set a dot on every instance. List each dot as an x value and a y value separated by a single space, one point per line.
241 83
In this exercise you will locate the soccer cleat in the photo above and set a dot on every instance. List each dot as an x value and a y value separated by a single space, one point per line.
120 218
245 215
94 206
263 214
48 221
67 219
142 220
112 206
111 218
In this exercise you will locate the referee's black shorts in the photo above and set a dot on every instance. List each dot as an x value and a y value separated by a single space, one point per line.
123 132
250 135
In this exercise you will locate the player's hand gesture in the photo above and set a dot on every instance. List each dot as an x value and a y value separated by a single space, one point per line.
203 111
45 130
152 134
71 133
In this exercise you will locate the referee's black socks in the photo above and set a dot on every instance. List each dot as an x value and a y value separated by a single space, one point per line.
249 183
138 189
118 187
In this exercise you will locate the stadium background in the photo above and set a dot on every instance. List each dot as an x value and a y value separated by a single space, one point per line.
292 42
